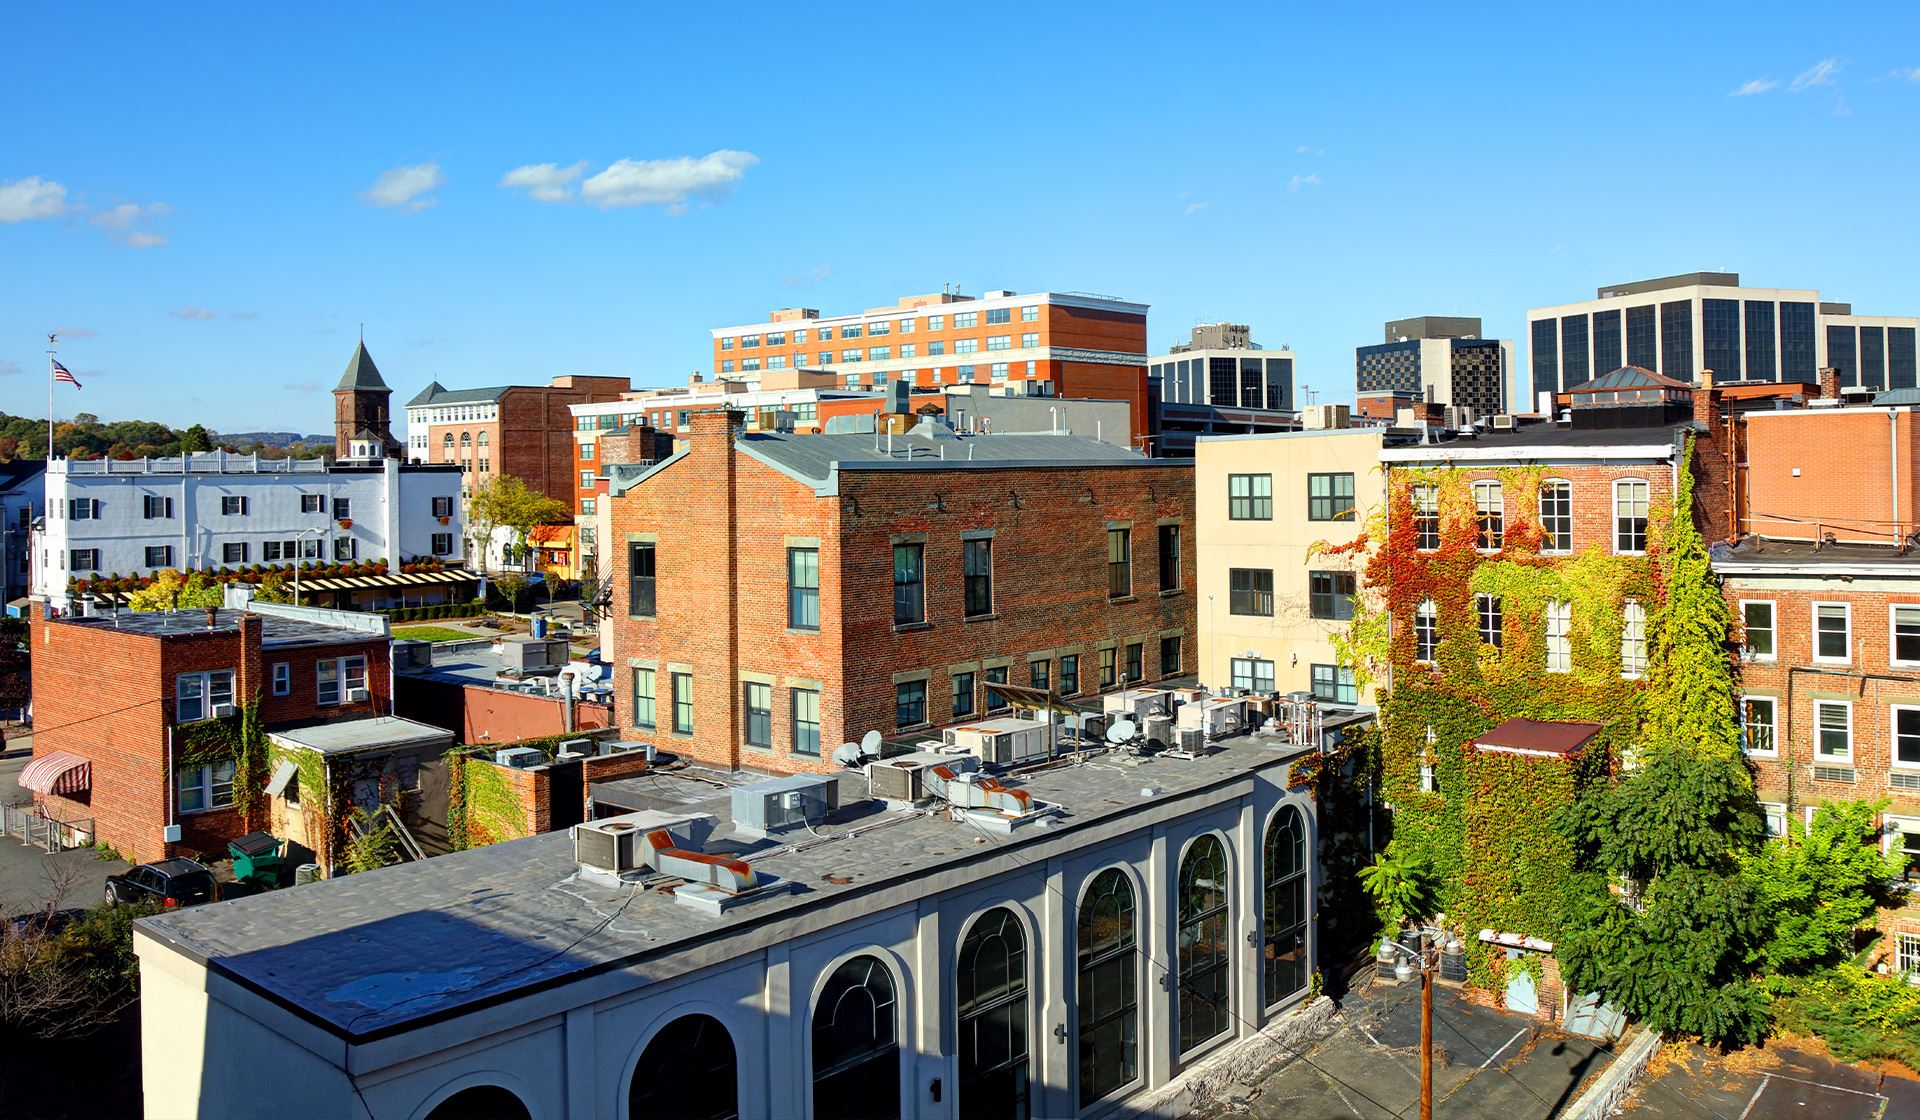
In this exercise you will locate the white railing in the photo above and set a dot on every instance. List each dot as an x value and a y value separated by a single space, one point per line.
207 462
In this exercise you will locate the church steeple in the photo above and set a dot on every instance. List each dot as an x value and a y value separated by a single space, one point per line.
361 408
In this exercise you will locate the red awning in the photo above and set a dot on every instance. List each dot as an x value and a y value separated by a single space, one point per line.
57 772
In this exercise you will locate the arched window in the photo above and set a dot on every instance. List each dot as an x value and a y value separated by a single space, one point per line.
485 439
856 1045
1205 947
688 1072
1109 1003
448 440
481 1102
466 439
1285 913
992 1002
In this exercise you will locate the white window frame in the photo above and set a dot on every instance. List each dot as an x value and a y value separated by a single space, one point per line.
1545 536
1893 615
282 679
204 694
208 778
1892 826
1820 756
1813 632
1633 632
1773 724
1562 614
1498 508
1771 811
1906 947
1773 628
1615 511
1893 736
1424 499
337 675
1428 612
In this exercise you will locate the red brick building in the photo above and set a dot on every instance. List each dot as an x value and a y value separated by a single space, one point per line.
114 697
774 596
522 430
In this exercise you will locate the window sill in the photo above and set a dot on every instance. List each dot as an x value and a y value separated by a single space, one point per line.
1128 598
912 728
1166 591
764 749
993 616
208 809
803 631
680 735
904 627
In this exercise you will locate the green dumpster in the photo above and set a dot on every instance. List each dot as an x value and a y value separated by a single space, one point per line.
256 857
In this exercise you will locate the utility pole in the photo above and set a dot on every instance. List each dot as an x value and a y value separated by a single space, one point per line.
1428 958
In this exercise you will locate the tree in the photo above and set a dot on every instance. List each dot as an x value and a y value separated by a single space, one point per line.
1401 887
171 591
1819 890
195 439
505 501
275 588
1689 691
511 586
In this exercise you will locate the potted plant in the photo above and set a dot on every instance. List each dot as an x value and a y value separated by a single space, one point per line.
346 522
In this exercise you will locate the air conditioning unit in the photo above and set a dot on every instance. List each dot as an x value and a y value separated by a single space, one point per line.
576 746
947 738
223 711
1503 422
783 804
357 695
520 758
622 746
608 845
903 778
1004 742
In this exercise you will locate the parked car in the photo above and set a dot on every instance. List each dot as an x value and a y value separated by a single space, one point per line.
171 882
45 922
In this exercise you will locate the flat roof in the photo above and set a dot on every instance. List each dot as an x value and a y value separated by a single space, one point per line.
351 736
275 631
814 459
1541 439
1538 737
372 954
1769 556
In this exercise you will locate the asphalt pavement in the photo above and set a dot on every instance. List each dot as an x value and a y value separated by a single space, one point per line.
1774 1082
29 877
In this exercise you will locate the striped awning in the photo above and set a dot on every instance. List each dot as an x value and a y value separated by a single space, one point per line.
391 579
57 772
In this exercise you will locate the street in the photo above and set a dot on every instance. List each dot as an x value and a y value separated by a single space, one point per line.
30 877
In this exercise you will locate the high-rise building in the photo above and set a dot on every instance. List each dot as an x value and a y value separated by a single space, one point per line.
1680 325
1221 382
1439 360
1051 344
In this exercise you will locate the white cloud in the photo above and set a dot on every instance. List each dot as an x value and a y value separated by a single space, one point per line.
193 313
815 275
1757 85
405 188
301 386
144 239
7 369
1299 181
120 221
1195 207
671 183
544 182
32 198
1820 73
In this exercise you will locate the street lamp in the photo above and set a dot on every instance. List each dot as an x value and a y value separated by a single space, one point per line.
297 558
1427 960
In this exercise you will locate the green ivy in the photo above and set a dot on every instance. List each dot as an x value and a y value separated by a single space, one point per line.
240 738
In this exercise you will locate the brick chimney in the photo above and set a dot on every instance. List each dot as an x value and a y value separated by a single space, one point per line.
1829 383
639 443
715 425
1706 402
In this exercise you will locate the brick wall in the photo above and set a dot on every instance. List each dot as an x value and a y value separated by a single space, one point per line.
478 714
1801 484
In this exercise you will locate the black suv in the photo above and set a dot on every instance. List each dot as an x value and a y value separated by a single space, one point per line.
171 883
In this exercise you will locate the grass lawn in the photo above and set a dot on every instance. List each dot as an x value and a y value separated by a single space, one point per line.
431 634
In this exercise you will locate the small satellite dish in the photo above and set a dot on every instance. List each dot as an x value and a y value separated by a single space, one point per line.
847 754
1121 731
870 745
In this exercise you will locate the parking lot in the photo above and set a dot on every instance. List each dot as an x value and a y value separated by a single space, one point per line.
1774 1082
1486 1063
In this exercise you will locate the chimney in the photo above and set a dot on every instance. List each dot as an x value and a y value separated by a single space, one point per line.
712 425
1829 383
1706 403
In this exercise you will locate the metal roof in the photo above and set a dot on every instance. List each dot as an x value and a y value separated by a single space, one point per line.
1896 398
274 630
814 459
1629 377
353 736
1538 737
435 394
361 373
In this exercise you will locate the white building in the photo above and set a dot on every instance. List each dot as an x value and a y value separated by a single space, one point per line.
136 517
22 498
1082 937
1680 325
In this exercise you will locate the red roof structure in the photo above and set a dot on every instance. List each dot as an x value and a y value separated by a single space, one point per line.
1538 738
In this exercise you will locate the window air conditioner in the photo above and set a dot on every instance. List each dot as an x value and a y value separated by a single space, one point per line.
356 695
222 711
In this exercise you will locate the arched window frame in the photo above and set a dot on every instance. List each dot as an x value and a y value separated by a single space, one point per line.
1187 1042
1083 964
671 1018
902 1001
1017 922
1275 938
498 1079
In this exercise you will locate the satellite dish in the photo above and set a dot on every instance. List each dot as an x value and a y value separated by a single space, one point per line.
870 745
1121 731
847 754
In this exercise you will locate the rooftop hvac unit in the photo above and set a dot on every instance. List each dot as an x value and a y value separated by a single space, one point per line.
903 778
782 804
525 655
1159 731
1003 742
520 758
610 845
1503 422
1216 718
623 746
576 746
1137 703
1193 742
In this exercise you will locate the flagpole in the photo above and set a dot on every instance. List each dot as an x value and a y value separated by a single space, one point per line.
50 342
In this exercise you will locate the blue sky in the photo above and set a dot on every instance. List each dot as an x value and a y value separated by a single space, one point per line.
196 194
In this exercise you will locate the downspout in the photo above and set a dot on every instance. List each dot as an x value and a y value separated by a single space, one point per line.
1893 455
171 783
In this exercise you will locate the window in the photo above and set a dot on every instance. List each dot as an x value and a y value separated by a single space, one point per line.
1250 497
1330 595
1204 945
999 342
1119 563
999 315
231 506
84 559
1070 673
643 686
935 348
196 696
1903 836
996 675
1330 497
1630 516
1487 610
155 506
640 589
1426 517
586 480
159 556
317 503
1334 684
962 695
1109 665
586 506
966 345
1757 619
1832 632
443 544
1758 718
1775 815
1252 674
1250 591
1029 340
856 1045
443 506
688 1070
1040 673
991 1002
282 679
977 563
1170 655
1169 557
803 588
1906 736
233 552
338 678
1489 516
1106 964
1556 515
1905 640
1284 914
910 703
909 589
756 701
1559 619
1426 632
1833 730
1633 640
200 788
342 508
909 350
682 685
1136 661
345 548
726 343
966 319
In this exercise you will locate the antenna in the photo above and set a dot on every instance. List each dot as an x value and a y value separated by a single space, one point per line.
847 754
870 745
1121 730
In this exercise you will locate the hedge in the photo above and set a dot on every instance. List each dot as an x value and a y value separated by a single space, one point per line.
469 609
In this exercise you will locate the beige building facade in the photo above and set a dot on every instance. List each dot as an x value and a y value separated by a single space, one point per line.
1269 507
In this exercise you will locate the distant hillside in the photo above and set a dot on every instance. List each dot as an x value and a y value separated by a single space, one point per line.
272 439
86 436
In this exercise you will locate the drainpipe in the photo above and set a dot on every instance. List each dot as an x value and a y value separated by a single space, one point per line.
1893 454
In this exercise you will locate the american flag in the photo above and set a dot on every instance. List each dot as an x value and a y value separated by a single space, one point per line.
61 373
